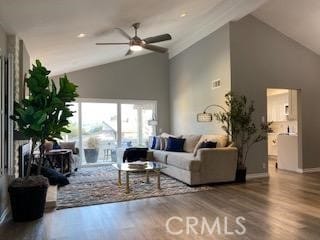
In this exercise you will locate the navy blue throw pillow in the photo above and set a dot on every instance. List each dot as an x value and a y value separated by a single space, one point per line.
208 144
56 146
175 144
154 140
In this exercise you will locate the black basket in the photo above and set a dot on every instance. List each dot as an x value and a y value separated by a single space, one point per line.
27 203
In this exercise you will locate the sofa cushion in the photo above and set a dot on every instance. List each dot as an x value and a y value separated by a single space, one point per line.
175 144
160 156
184 161
222 141
190 143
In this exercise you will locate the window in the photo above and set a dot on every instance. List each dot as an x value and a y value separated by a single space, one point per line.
109 126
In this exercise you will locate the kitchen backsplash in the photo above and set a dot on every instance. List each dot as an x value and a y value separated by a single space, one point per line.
281 127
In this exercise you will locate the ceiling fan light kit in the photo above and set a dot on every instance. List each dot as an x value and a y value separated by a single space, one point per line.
137 44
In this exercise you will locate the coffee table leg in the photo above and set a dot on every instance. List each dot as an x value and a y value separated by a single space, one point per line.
147 175
127 182
158 176
119 177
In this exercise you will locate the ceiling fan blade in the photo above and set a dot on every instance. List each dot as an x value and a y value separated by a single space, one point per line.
112 43
155 48
129 52
123 33
159 38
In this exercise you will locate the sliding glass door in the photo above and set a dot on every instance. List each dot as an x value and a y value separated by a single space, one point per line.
103 129
98 131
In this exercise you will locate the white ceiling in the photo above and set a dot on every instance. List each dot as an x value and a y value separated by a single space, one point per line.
298 19
50 28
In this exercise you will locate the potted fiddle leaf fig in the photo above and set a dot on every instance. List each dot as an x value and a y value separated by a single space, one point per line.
43 116
238 123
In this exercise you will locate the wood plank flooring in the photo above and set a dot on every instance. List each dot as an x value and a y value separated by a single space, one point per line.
284 206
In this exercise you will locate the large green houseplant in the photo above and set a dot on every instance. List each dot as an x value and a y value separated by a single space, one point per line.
238 123
40 117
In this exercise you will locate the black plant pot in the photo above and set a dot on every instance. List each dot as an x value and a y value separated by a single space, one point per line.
241 175
28 198
91 155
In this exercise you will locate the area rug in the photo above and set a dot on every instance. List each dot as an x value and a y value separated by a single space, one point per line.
99 185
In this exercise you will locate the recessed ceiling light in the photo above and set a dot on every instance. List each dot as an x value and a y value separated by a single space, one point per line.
82 35
183 14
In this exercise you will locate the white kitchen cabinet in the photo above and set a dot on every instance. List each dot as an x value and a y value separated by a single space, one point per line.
276 108
288 152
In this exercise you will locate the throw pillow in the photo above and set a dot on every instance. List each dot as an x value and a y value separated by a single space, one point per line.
222 141
54 177
191 142
69 145
175 144
153 145
157 146
162 143
208 144
150 142
56 146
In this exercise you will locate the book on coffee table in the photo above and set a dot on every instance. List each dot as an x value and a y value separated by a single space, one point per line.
138 164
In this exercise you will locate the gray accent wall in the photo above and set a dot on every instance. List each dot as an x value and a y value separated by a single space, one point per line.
140 78
191 75
261 58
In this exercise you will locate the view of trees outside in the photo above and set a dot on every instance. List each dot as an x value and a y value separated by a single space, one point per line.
99 128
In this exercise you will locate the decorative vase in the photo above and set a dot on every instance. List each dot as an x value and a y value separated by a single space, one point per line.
241 175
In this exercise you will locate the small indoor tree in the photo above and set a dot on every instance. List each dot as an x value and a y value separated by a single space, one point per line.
238 123
43 115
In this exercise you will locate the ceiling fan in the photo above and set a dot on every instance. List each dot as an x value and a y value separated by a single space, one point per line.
136 43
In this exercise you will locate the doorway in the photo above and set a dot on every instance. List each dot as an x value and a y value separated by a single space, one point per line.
284 142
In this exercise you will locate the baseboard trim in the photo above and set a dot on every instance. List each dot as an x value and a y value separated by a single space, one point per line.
5 215
256 175
308 170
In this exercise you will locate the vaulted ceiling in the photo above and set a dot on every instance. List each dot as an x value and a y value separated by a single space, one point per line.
50 28
298 19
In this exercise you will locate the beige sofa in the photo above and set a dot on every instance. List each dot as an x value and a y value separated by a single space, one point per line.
197 166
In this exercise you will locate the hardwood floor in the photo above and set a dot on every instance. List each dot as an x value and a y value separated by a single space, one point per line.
284 206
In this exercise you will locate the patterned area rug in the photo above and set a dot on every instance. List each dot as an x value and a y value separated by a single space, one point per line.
98 185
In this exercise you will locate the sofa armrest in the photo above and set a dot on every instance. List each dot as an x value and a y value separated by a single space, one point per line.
218 164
